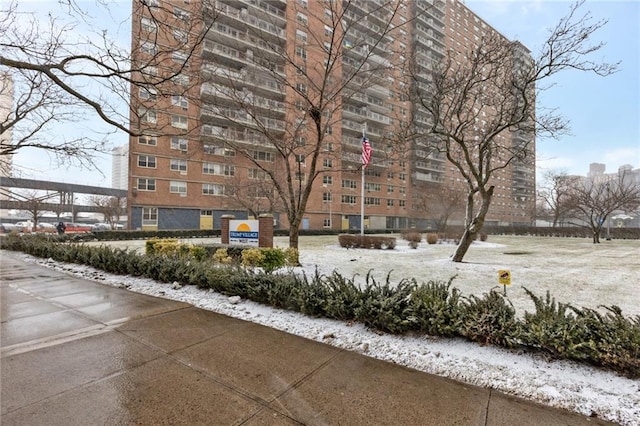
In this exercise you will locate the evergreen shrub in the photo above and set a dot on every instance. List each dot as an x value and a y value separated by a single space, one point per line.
608 340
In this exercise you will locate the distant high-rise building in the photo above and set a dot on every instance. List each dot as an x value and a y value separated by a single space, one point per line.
120 167
187 173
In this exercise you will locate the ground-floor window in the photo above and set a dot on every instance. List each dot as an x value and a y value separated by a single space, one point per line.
149 216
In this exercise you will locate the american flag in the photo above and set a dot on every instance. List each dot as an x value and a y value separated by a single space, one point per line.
366 152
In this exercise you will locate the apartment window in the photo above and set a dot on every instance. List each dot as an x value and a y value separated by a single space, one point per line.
372 187
327 180
329 147
402 176
179 56
328 130
145 184
390 203
150 216
301 88
178 187
151 140
218 169
180 101
181 79
264 156
301 53
148 115
206 212
348 199
351 184
256 174
403 190
390 188
149 48
371 201
180 14
178 165
326 223
180 36
401 203
179 143
390 175
147 161
327 197
179 121
302 18
149 94
150 71
301 35
328 31
303 3
148 24
212 189
327 163
300 158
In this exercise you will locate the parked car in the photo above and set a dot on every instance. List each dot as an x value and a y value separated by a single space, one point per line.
45 227
25 226
101 227
77 227
6 228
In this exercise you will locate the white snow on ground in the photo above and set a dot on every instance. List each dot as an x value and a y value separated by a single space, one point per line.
573 270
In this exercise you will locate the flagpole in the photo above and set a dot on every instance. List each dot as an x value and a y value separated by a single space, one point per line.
362 194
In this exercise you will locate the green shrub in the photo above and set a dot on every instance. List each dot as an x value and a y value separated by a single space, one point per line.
273 258
436 308
292 256
386 307
608 340
489 320
252 257
221 256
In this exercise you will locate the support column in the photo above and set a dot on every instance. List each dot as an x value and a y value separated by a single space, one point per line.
265 226
224 231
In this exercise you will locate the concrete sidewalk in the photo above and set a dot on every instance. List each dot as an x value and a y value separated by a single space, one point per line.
75 352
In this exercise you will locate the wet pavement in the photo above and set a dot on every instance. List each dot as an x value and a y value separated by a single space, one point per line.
75 352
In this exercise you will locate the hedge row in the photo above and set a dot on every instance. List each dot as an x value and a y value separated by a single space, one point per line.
562 331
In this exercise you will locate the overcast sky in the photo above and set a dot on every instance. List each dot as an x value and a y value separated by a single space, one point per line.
604 112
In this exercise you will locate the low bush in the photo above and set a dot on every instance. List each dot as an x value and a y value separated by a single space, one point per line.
562 331
366 241
432 238
413 238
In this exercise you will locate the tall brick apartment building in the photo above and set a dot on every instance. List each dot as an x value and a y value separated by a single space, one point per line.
184 171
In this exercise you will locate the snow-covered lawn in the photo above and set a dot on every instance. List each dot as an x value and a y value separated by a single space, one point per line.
573 270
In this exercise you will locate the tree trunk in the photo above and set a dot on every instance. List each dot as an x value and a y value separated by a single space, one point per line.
465 242
473 226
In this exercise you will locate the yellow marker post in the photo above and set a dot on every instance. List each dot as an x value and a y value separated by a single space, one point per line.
504 278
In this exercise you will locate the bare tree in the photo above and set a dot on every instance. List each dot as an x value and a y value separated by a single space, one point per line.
34 203
111 208
594 201
555 194
441 203
257 196
294 140
481 105
60 76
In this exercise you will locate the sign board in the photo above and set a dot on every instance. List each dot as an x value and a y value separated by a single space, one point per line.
504 277
244 232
